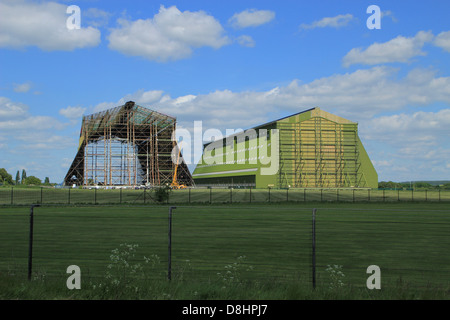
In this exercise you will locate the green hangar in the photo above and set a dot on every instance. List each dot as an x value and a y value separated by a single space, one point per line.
310 149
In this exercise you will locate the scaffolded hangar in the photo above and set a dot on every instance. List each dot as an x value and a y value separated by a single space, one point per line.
127 146
315 149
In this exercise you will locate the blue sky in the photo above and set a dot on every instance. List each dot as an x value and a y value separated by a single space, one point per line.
229 64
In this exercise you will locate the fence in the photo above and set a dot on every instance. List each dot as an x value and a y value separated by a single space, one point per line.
254 243
20 196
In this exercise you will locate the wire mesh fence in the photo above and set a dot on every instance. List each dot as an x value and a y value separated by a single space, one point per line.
21 196
223 244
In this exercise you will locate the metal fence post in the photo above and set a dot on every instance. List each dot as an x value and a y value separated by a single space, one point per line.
169 267
314 248
30 243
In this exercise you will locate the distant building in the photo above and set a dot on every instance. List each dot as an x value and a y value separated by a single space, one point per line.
315 149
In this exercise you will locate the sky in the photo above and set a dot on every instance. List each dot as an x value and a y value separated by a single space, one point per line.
229 64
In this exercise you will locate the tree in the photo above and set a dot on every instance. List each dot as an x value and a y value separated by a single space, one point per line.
47 181
17 177
389 185
24 176
5 177
32 180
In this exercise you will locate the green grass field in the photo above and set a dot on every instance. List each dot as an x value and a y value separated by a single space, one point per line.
25 196
255 251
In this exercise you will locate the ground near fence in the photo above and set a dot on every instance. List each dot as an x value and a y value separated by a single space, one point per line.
234 248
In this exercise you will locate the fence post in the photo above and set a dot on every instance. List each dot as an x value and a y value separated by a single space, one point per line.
269 194
169 270
314 248
30 243
210 195
250 194
41 194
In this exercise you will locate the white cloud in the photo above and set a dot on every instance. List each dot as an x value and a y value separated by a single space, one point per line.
399 49
333 22
42 24
169 35
251 18
388 13
14 117
32 123
45 140
72 113
421 126
11 110
22 87
140 97
246 41
358 96
443 40
417 142
95 17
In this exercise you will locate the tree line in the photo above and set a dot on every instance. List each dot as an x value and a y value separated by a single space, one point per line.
415 185
6 179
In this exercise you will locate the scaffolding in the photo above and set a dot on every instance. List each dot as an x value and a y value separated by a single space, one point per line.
127 146
319 153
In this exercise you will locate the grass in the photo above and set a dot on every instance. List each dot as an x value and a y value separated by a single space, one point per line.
238 251
26 196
